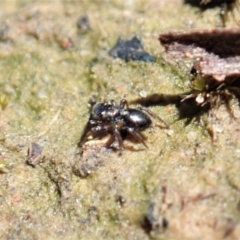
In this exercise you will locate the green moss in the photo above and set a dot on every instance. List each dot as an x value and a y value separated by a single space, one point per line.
44 91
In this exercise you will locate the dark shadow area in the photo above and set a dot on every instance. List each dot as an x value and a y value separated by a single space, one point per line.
211 4
187 109
187 104
191 111
158 99
214 41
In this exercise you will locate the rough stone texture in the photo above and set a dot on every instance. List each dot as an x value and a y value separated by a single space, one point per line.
49 70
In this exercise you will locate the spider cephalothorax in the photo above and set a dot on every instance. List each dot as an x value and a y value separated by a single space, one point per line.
110 118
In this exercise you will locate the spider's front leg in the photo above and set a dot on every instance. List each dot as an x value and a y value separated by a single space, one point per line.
94 130
118 138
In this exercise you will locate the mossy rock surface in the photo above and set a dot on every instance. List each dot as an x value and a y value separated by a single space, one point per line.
185 185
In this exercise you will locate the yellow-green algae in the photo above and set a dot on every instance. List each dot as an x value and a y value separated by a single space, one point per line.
43 97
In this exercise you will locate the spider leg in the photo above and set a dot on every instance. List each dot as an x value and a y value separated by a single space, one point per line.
221 86
231 8
224 13
118 138
123 104
137 135
154 115
235 91
112 102
185 97
228 106
107 129
92 131
228 96
84 139
92 101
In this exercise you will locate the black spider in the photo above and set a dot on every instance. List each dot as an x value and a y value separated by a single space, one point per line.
117 120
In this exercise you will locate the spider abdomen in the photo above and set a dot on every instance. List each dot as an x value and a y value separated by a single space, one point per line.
137 119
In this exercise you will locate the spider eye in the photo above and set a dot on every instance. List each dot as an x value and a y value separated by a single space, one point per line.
98 111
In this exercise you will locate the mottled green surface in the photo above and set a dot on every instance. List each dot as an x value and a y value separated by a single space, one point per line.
44 90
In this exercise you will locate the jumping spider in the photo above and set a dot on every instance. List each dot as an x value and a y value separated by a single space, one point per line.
117 120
